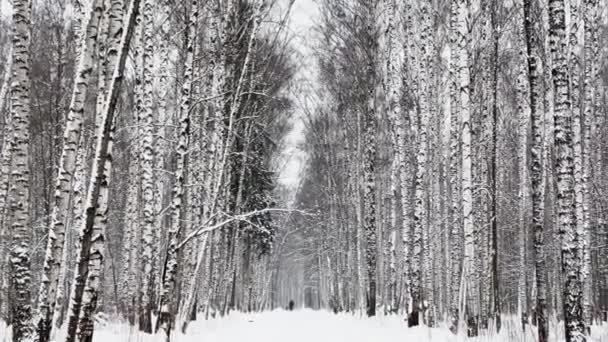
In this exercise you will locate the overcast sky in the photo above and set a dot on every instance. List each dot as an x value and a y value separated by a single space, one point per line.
303 16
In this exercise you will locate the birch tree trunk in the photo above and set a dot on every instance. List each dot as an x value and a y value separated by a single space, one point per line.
394 94
591 61
5 174
454 170
18 194
369 160
570 256
4 88
524 190
90 254
146 170
495 292
78 190
67 167
468 290
420 209
537 174
113 21
129 236
576 46
161 145
166 310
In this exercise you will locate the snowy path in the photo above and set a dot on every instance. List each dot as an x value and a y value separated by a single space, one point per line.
296 326
311 326
315 326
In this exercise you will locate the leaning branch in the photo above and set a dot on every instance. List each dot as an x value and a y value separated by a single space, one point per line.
242 217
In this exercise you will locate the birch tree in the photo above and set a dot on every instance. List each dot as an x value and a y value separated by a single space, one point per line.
369 188
454 170
146 167
5 175
166 309
468 286
86 279
18 194
67 167
420 211
570 253
590 70
535 68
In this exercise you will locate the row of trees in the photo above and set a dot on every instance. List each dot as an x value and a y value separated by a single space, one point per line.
138 146
457 161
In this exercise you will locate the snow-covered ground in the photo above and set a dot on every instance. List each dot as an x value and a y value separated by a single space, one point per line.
316 326
323 326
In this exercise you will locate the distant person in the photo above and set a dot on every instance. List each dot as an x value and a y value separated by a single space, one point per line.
291 304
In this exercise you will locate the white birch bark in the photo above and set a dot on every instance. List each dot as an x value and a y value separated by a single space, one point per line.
18 195
570 256
420 209
96 251
369 160
191 291
108 55
454 169
591 65
576 46
166 309
469 286
537 173
524 190
129 245
359 212
393 93
71 234
5 164
67 167
6 80
161 143
146 121
90 256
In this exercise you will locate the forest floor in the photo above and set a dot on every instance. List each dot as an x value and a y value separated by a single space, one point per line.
318 326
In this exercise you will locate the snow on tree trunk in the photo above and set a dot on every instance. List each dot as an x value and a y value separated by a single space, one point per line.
590 58
576 46
191 291
129 237
537 174
161 144
524 190
96 251
146 121
109 54
570 256
6 81
133 231
5 164
454 169
393 94
495 305
468 272
18 194
369 161
420 208
359 214
166 309
67 167
90 254
78 190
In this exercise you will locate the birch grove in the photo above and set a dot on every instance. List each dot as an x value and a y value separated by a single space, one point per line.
171 162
